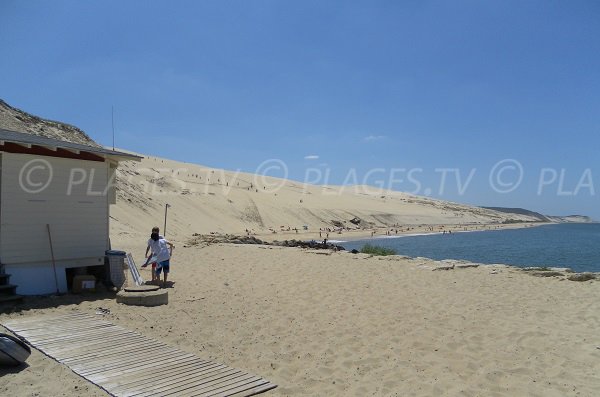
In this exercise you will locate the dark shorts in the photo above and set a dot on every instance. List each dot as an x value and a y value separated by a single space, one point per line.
164 265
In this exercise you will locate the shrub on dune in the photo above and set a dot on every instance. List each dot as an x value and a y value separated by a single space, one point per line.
376 250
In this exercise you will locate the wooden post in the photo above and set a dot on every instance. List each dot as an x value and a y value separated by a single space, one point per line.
165 228
53 261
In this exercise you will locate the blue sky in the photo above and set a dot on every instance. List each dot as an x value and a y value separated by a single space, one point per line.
391 85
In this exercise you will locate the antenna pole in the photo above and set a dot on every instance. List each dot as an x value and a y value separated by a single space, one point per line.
112 114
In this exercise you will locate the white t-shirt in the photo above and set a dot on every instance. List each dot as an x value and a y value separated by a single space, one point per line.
160 249
151 242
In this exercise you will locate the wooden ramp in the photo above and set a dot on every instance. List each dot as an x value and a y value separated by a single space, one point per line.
135 273
125 363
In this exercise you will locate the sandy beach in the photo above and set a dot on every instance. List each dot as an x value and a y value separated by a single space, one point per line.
333 323
382 232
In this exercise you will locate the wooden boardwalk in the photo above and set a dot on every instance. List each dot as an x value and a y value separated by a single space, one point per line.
125 363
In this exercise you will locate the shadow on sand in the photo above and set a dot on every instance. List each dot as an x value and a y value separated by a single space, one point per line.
170 284
12 370
52 301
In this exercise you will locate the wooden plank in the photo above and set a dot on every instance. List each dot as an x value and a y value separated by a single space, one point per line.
73 323
125 363
163 385
48 336
117 344
68 325
247 389
136 377
55 330
148 366
87 335
102 366
185 370
183 366
86 352
117 362
220 385
177 373
80 344
136 373
191 380
130 346
252 391
48 322
241 385
90 337
124 348
43 335
114 362
202 383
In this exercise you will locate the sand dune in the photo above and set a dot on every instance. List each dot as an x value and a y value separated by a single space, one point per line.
14 119
207 200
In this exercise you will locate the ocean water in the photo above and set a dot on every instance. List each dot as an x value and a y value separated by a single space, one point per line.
576 246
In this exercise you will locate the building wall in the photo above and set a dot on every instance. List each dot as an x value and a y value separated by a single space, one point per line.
67 194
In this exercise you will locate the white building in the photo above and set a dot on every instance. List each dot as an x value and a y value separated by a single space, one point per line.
51 189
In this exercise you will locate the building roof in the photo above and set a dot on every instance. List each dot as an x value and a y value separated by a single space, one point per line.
29 140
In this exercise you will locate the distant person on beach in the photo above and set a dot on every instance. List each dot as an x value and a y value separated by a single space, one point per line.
163 251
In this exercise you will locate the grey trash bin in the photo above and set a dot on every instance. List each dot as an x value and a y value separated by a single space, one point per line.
115 261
